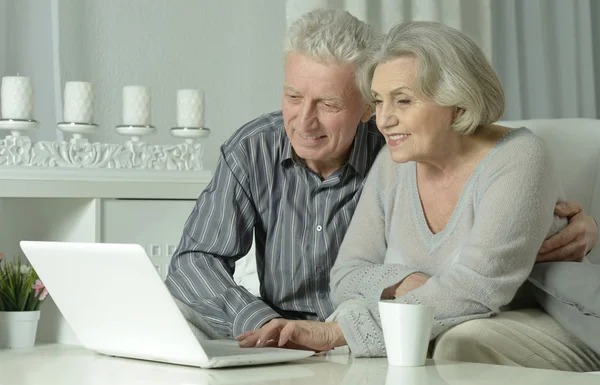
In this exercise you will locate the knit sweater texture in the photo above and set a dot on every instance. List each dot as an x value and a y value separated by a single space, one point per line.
476 264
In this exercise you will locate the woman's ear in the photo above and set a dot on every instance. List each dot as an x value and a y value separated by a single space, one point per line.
368 112
458 112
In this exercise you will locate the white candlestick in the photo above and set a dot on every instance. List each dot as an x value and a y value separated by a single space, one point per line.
79 102
136 106
17 98
190 108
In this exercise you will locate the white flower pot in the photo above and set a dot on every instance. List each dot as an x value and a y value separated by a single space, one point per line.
18 329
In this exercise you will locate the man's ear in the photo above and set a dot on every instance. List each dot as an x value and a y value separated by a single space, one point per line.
368 112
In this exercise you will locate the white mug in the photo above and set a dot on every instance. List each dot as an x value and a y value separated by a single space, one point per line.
406 332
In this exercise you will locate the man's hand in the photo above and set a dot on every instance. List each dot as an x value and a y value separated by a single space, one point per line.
409 283
267 335
305 335
574 241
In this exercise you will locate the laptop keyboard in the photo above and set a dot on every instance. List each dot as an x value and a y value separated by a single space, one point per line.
226 348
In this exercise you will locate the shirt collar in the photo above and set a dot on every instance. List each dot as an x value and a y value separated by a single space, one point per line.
358 151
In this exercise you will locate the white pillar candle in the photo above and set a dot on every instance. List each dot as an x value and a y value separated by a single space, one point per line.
190 108
17 97
79 102
136 106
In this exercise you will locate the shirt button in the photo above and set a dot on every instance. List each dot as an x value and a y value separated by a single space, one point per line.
319 228
319 270
322 295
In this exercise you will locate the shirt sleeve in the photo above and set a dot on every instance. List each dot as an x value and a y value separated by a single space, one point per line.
217 233
514 208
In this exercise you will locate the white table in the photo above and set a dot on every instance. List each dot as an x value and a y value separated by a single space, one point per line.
64 365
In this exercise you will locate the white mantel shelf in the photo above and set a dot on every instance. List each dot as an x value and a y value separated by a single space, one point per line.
146 206
47 182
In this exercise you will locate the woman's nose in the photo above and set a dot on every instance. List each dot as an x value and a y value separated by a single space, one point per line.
385 118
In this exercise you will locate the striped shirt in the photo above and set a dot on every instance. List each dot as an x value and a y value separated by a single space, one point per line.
298 221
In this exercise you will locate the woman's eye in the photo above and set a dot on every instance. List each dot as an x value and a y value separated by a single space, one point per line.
404 101
377 102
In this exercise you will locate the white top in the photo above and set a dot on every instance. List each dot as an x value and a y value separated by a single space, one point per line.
476 263
63 365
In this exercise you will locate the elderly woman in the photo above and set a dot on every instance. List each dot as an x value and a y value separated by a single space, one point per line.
454 209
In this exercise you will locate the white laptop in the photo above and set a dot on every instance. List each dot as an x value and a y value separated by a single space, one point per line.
117 304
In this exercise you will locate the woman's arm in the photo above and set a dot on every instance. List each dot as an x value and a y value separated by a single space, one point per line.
359 272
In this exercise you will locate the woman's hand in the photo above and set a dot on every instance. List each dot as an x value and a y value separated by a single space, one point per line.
412 282
305 335
409 283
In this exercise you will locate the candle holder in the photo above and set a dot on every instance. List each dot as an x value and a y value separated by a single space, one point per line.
78 129
18 126
190 134
135 132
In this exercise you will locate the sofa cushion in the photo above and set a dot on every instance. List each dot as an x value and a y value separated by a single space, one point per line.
575 147
570 293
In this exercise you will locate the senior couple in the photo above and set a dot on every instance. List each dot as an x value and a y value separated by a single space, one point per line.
454 210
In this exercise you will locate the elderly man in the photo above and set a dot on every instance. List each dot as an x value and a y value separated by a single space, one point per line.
293 177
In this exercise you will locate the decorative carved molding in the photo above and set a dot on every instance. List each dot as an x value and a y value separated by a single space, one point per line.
20 151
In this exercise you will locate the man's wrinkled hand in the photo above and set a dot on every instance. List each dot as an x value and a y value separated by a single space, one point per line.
316 336
574 241
305 335
267 335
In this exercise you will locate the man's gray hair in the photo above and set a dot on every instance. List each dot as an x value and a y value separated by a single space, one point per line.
332 36
451 71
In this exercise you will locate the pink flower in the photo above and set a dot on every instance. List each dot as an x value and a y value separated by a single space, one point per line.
1 257
38 286
44 294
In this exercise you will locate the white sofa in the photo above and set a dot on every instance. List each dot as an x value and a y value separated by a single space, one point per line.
575 145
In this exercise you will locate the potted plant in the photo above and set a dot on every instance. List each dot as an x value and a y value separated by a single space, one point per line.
21 295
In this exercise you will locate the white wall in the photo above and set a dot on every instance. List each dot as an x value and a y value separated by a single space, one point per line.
4 28
29 53
231 49
595 8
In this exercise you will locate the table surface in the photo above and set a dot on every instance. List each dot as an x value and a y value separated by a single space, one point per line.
60 364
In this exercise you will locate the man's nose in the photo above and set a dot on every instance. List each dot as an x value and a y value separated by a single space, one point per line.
307 118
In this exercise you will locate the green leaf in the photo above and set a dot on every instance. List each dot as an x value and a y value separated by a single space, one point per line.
10 304
16 289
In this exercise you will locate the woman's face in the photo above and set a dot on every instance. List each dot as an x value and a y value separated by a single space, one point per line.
414 129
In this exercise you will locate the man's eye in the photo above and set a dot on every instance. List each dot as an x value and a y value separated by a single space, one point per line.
330 106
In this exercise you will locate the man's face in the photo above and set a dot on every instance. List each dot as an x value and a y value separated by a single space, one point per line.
321 108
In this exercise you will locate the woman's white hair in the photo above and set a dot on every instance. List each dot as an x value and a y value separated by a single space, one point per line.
332 36
451 71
